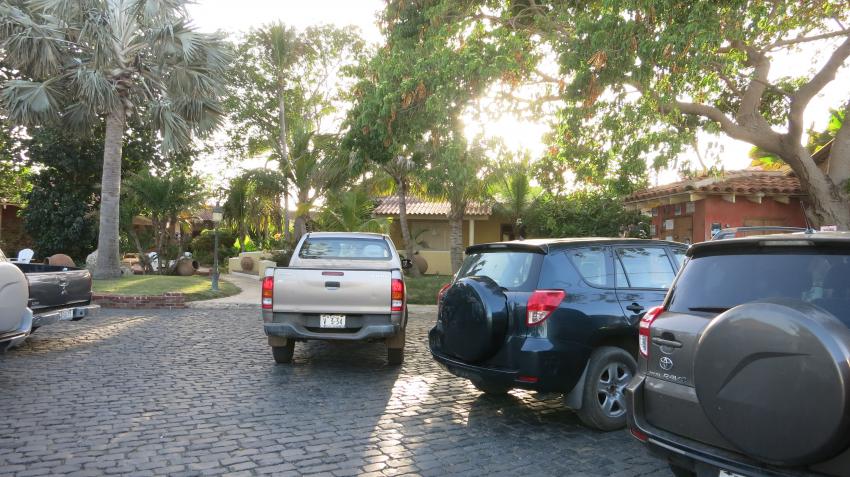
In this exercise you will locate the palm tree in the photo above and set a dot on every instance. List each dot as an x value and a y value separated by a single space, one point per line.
164 198
513 191
458 175
89 59
351 211
402 182
253 202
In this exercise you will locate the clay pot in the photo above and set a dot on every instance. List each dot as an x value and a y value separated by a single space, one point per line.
61 260
247 264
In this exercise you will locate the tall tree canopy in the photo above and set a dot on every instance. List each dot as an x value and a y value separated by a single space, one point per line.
84 60
286 102
638 79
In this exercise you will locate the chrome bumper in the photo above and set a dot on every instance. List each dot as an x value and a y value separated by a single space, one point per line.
65 314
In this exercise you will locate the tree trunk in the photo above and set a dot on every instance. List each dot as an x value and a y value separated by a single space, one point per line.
401 190
108 263
143 257
456 235
828 204
284 153
242 235
303 216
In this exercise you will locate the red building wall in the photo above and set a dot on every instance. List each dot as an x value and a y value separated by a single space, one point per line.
715 209
744 212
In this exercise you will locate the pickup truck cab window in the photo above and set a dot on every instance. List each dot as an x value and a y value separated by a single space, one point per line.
345 248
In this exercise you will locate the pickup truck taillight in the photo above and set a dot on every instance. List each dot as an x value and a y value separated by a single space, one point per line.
397 294
645 327
541 304
268 292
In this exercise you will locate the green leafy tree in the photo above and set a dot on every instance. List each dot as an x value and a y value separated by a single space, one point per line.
585 213
14 172
165 198
88 59
458 174
61 211
252 204
638 80
436 62
351 211
297 85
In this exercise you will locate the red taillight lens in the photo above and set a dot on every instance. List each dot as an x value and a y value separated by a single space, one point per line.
397 294
442 292
541 304
268 292
644 328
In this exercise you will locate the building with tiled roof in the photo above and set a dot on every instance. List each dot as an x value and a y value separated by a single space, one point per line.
429 228
691 209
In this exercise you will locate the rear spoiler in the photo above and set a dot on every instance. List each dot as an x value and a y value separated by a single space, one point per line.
516 245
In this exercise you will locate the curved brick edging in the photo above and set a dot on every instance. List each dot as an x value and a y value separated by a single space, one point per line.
168 301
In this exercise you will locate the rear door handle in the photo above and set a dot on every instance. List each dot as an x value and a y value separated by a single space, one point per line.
331 284
634 307
668 343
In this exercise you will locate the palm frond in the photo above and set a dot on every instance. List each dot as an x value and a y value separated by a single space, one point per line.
31 102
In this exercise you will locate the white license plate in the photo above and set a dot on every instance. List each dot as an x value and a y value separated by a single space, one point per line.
66 314
332 321
726 473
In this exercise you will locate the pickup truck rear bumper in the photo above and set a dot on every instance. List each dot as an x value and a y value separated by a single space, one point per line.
75 313
307 327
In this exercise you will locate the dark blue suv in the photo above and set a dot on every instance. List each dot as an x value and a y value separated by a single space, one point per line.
554 315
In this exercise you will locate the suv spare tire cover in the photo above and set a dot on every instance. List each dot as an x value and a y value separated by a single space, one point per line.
14 294
473 319
773 377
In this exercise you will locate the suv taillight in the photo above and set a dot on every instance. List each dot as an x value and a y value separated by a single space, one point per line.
268 292
541 304
397 292
442 292
644 328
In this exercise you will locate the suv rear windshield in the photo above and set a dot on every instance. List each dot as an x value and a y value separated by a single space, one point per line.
345 248
718 282
516 271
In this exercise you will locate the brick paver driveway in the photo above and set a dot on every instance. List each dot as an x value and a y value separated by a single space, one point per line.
196 392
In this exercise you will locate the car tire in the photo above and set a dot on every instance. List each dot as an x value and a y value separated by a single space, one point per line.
395 356
492 389
283 354
681 471
609 371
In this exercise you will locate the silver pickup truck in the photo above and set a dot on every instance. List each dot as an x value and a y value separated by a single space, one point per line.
338 286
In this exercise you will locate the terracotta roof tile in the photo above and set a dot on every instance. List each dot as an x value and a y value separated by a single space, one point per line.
417 206
744 182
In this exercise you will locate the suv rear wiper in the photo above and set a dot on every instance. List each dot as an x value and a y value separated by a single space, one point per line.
710 309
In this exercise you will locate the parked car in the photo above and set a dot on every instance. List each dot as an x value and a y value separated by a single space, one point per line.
53 293
338 286
553 315
746 365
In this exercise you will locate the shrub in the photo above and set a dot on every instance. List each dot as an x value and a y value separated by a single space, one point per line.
282 257
202 246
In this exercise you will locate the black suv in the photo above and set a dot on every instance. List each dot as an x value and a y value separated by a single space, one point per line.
554 315
745 369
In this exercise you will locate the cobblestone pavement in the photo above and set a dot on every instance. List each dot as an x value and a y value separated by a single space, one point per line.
196 392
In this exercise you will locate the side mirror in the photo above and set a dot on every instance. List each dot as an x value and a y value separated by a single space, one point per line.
406 264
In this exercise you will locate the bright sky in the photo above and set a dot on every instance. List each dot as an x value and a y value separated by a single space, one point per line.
239 16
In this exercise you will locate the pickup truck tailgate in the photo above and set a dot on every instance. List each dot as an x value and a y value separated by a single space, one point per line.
305 290
55 287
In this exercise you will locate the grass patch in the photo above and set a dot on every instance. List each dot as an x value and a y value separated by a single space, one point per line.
423 290
195 288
